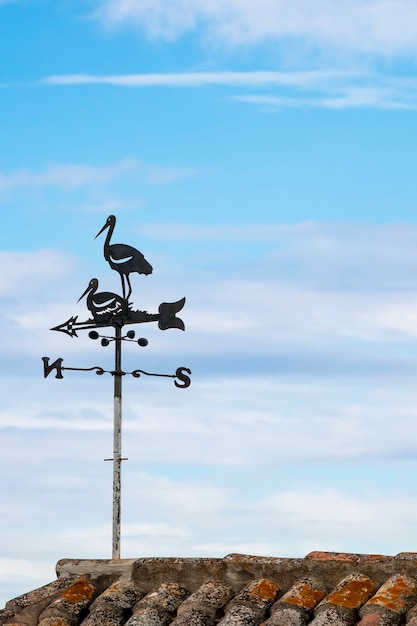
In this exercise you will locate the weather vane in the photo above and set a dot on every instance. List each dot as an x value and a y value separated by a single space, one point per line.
109 309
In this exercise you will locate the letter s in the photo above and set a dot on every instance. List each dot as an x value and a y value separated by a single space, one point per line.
186 380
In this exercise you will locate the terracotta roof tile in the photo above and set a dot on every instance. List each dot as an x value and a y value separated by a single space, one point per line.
204 605
322 589
250 606
159 607
296 606
70 606
341 605
112 605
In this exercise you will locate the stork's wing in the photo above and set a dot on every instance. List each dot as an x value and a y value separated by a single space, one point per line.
107 299
120 258
122 253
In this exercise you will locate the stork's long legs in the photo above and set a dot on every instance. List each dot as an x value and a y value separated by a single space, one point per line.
122 278
130 286
125 277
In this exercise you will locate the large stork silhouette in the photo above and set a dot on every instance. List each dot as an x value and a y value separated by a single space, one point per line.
122 258
103 305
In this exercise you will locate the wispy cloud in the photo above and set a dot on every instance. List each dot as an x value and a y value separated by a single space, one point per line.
352 98
73 176
27 272
324 89
347 255
23 568
200 79
368 27
66 176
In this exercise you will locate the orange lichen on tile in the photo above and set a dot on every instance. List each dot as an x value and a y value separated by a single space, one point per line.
395 593
303 595
80 591
373 619
333 556
352 592
375 557
265 589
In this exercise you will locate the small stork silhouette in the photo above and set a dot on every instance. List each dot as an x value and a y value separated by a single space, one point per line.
103 305
122 258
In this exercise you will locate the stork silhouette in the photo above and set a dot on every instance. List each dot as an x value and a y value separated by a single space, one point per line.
122 258
103 305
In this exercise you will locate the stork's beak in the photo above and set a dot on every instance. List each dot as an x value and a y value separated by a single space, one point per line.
104 228
85 293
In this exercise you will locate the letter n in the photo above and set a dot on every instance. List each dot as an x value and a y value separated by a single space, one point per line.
56 365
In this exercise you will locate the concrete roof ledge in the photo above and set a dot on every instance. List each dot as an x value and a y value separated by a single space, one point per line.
95 568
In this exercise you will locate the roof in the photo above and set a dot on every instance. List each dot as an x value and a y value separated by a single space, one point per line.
322 589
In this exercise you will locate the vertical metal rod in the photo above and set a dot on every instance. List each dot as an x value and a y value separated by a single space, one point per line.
117 442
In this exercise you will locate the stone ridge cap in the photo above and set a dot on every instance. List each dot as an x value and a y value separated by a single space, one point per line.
236 556
236 568
65 564
119 562
95 567
353 558
175 559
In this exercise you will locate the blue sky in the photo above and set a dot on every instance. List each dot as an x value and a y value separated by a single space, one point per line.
261 156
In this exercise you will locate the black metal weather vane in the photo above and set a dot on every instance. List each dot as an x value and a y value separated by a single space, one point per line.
105 306
110 309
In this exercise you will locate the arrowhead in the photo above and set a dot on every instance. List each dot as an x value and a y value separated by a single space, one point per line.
68 327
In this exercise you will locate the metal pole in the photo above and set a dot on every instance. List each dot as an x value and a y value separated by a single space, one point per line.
117 441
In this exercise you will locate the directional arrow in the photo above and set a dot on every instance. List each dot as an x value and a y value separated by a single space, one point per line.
166 318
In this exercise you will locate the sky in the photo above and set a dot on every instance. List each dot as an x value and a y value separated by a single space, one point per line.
261 155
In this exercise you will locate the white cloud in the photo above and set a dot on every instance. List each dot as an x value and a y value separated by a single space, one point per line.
371 27
317 89
23 568
201 79
348 98
25 273
66 176
338 256
76 175
226 422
